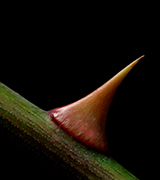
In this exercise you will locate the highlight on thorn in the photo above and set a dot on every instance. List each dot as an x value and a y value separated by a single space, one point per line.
85 119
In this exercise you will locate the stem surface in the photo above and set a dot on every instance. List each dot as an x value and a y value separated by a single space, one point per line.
35 126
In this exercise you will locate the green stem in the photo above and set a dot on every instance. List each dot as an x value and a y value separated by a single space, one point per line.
34 124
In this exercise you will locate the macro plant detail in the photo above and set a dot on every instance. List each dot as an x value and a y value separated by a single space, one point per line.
74 135
86 118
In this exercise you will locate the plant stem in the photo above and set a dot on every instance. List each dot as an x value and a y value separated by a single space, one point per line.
34 125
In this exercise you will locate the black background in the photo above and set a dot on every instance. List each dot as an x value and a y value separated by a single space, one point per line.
53 58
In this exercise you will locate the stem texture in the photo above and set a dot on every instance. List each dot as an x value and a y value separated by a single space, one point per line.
35 127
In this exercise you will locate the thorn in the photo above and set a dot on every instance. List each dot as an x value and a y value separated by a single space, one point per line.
85 119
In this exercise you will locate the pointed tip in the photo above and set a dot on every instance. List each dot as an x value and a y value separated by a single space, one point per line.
127 69
138 59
